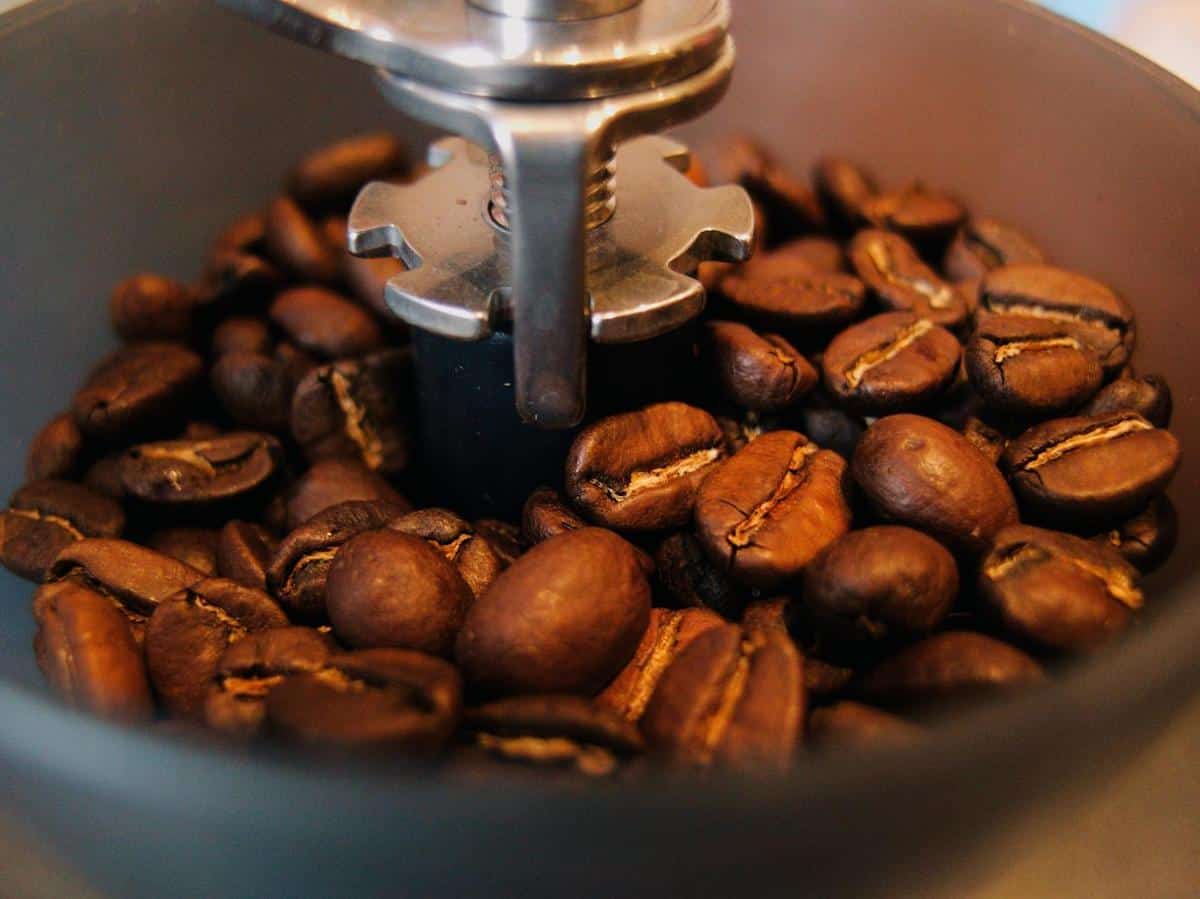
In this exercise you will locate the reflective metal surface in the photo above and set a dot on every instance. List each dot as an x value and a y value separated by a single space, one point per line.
555 10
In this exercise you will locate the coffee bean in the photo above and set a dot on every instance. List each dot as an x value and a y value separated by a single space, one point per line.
137 389
325 323
819 254
241 334
297 244
189 631
770 509
505 539
254 390
794 301
194 547
729 699
246 234
926 219
565 617
880 584
354 409
332 481
852 724
388 700
1149 397
891 268
640 470
456 541
44 517
918 472
985 438
191 472
1057 590
1091 470
57 450
1091 312
761 372
986 244
953 665
790 205
237 282
329 177
832 429
890 362
151 307
86 650
201 430
844 190
104 477
244 552
693 581
1031 367
300 566
546 514
766 615
1147 539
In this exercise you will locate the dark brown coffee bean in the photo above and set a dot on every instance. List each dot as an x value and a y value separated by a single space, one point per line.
670 632
899 279
831 429
919 472
296 243
1147 539
770 509
1059 591
56 451
640 470
821 254
87 652
693 581
151 307
237 281
844 190
566 617
44 517
244 552
880 584
326 323
387 700
796 300
246 233
201 430
137 389
890 362
1092 312
730 699
554 732
757 371
950 665
195 547
926 219
328 178
546 514
300 566
1088 471
254 390
189 631
851 724
790 205
332 481
104 477
201 471
456 541
1028 366
505 538
986 244
242 334
251 667
354 409
985 438
766 615
1149 397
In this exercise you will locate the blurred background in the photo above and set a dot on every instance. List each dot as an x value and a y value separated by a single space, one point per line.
1167 31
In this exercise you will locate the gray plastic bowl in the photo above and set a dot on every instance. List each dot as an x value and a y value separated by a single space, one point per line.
133 130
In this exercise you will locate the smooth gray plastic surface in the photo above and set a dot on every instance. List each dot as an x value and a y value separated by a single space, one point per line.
130 131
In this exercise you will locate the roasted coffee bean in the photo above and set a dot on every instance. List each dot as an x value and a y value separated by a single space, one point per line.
189 631
894 272
387 700
201 430
251 667
565 617
918 472
763 615
740 431
820 254
770 509
926 219
880 584
505 538
56 451
86 650
1092 312
254 390
137 389
296 243
757 371
237 282
730 699
985 438
1147 539
151 307
640 470
790 205
297 362
244 552
104 477
328 178
794 301
553 732
669 633
950 666
1088 471
1031 367
300 566
332 481
832 429
890 362
693 581
195 547
183 472
326 323
844 190
44 517
1149 397
849 723
986 244
246 234
354 409
822 679
1059 591
456 541
135 579
241 334
546 514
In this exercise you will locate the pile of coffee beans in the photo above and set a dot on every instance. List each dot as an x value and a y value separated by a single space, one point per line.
917 468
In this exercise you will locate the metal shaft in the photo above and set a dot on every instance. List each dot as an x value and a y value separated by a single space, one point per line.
554 10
